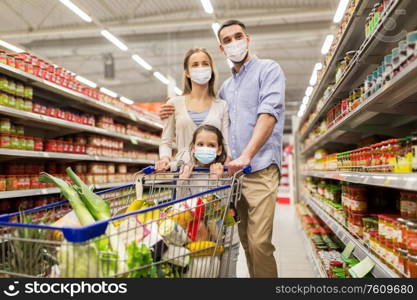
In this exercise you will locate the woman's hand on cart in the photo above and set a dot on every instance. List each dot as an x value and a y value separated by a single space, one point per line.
163 165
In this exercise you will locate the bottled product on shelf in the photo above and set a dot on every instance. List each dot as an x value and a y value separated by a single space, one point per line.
327 247
35 66
24 203
388 156
383 219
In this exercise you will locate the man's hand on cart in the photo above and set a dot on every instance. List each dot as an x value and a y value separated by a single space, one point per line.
163 165
216 171
237 165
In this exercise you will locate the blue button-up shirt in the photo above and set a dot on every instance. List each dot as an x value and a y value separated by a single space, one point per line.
258 88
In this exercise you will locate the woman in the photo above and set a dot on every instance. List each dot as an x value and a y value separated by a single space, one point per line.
197 106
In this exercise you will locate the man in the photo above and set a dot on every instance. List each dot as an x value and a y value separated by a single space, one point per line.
255 95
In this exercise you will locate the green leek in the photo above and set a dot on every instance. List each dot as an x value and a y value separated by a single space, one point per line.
95 204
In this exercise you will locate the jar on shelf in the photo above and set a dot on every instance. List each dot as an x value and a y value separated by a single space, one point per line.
11 102
412 236
51 146
412 266
34 182
355 223
402 261
65 147
38 144
3 183
14 141
402 238
20 130
4 140
388 68
30 144
12 183
11 60
22 142
60 146
3 57
5 125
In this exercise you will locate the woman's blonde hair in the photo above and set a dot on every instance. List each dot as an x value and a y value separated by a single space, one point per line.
187 87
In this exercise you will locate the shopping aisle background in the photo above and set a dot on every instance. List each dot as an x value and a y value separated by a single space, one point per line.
290 253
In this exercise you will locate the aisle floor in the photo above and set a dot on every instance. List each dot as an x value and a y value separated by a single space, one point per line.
291 255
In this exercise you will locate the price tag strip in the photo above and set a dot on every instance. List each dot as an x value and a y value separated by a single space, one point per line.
362 269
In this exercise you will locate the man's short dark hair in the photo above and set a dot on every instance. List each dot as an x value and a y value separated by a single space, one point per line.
230 23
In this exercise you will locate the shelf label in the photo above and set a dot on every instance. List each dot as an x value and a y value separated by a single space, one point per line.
348 250
387 182
362 268
133 140
133 117
45 154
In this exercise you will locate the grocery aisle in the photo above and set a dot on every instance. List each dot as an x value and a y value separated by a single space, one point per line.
291 255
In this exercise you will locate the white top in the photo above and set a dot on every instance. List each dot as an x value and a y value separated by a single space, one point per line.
181 126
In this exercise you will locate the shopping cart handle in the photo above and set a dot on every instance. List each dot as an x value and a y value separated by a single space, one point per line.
246 170
149 170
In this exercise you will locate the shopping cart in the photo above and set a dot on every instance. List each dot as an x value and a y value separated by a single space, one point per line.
183 228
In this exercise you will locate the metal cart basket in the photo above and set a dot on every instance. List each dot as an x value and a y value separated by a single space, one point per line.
161 227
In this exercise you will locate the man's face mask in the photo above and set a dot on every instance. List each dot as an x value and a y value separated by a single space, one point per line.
236 51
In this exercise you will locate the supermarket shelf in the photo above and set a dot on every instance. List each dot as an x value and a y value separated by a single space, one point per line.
50 191
65 156
361 251
26 193
110 185
407 181
368 56
385 101
71 125
50 86
311 253
350 40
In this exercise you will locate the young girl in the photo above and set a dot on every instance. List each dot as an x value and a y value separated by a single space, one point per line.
208 150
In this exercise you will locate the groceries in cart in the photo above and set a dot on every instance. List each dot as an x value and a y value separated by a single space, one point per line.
113 234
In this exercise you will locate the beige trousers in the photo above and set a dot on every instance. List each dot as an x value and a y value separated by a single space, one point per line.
256 210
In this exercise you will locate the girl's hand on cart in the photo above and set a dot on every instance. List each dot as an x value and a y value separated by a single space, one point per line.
163 165
216 171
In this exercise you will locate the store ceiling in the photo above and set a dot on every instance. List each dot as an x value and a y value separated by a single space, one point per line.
160 31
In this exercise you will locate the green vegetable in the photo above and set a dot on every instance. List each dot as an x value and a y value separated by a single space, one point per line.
140 256
72 196
79 260
95 204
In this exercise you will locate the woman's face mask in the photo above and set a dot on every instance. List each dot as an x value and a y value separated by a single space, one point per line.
201 75
236 51
205 155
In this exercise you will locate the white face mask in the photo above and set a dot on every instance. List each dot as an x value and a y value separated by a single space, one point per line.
236 51
200 75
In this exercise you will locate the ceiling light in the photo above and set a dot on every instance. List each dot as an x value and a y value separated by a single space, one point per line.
141 62
309 91
86 81
215 26
161 77
108 92
118 43
126 100
11 47
306 99
178 91
77 10
327 44
208 8
340 12
313 79
300 114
